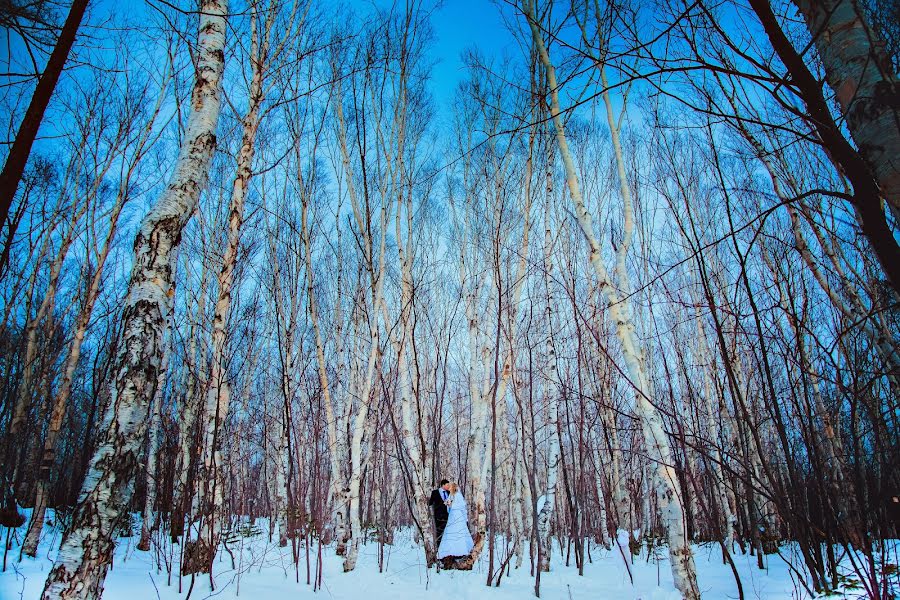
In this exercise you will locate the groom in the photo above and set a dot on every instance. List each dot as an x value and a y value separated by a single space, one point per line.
437 500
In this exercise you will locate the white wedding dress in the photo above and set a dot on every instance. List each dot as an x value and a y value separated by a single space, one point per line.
457 541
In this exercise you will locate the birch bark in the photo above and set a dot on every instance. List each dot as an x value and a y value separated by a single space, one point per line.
682 560
287 305
147 519
481 349
409 428
552 394
195 377
860 73
478 456
714 418
86 551
335 454
867 193
623 519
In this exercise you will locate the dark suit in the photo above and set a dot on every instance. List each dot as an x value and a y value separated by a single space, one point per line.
440 514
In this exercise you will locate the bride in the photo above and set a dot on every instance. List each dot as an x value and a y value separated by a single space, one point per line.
457 541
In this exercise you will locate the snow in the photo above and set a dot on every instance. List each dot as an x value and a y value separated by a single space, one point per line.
265 571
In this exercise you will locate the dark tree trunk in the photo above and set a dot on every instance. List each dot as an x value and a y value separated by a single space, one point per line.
866 193
21 148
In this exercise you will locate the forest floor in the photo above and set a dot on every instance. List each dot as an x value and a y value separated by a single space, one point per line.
264 571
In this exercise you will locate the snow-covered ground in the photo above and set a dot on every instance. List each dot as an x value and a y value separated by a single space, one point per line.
263 571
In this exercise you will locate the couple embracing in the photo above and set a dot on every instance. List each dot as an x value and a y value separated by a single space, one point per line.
451 521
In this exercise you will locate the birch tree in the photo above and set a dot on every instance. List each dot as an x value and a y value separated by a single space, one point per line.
859 71
84 557
656 440
269 37
552 397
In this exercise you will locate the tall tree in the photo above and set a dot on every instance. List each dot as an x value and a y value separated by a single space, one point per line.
34 115
655 438
86 552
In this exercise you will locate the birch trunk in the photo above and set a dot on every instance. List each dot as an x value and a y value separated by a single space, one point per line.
287 315
867 192
762 509
517 507
396 154
713 432
401 341
478 447
86 551
508 373
623 520
552 395
859 71
410 428
218 394
280 465
479 381
682 560
335 453
147 516
26 393
287 322
362 427
837 474
188 413
82 154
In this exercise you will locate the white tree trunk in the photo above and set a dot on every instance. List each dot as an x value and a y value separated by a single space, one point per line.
682 560
280 460
218 393
86 551
623 519
552 395
410 423
859 70
336 455
713 433
188 412
147 519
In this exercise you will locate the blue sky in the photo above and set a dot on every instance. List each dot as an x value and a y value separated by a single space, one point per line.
458 25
